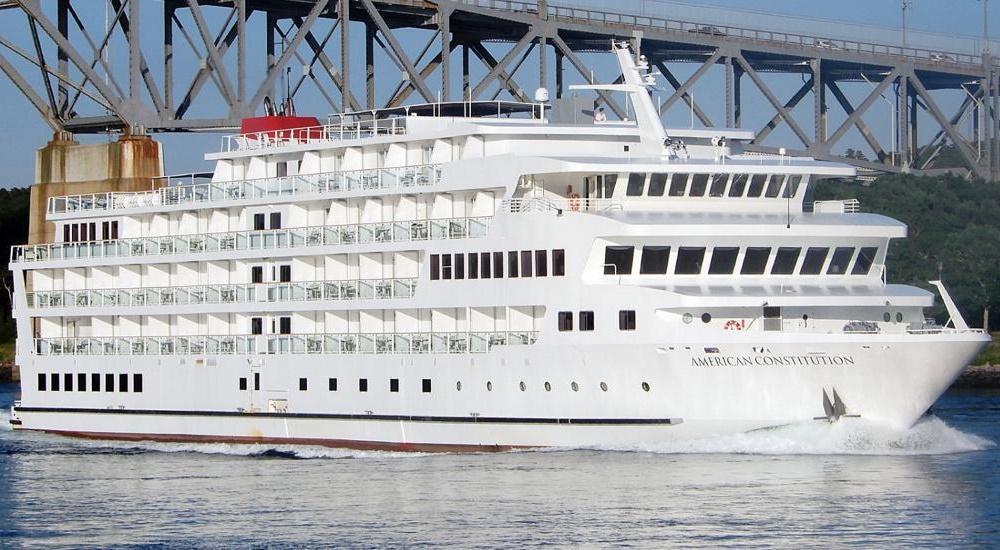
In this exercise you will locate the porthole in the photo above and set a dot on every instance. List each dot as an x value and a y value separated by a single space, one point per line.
899 316
687 318
575 386
706 317
489 386
548 387
604 387
645 386
887 317
523 385
458 385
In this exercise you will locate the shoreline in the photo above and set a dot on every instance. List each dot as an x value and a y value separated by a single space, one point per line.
979 377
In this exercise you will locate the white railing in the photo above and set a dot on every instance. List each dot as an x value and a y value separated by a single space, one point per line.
324 133
561 204
261 188
848 206
350 289
342 343
322 235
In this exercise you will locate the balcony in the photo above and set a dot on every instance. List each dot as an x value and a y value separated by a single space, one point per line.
300 237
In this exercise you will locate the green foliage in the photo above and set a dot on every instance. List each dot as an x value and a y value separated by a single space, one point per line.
13 230
954 233
990 355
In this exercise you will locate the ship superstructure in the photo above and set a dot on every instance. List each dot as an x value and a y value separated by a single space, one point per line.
475 275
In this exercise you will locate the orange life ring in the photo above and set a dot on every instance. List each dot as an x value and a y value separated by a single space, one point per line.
574 201
733 324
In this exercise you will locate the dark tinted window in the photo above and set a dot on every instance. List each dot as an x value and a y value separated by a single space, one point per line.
526 263
473 265
609 185
841 258
362 384
243 384
723 260
123 383
654 260
541 263
586 320
303 384
425 385
565 320
755 260
42 382
446 266
394 385
81 381
618 260
485 265
785 260
95 382
626 319
657 184
512 263
256 325
756 185
792 186
275 220
68 381
635 185
459 266
774 186
137 383
285 274
813 263
435 267
257 274
718 186
54 381
866 257
689 260
498 265
285 325
258 222
558 262
739 185
699 182
678 184
332 384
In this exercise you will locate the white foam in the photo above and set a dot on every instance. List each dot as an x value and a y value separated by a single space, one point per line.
849 436
241 449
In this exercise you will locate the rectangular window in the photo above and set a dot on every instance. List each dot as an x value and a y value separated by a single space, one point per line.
243 383
792 186
618 260
54 381
275 220
586 320
123 383
285 274
285 325
332 384
609 185
841 258
257 274
68 381
95 381
76 232
256 325
446 266
435 267
473 265
105 230
565 321
723 260
114 230
678 185
394 385
83 232
81 381
689 260
626 319
774 186
699 182
459 266
866 257
558 263
137 383
66 233
303 384
654 260
425 385
657 185
512 263
498 265
362 384
635 184
526 263
785 260
256 381
93 231
485 265
739 185
258 222
718 185
281 169
755 260
813 263
541 263
42 381
756 185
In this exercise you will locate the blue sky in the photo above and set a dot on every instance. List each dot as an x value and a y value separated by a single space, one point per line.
26 131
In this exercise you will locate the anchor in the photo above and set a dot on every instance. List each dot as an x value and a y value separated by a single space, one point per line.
836 409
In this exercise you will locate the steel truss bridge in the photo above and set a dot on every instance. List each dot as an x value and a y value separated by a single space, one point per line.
198 77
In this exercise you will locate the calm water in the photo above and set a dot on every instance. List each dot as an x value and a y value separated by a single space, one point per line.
812 485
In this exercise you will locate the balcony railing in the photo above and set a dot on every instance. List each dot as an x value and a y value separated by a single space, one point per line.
352 289
307 135
261 188
322 235
376 343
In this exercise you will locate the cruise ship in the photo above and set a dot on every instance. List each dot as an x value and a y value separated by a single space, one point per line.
476 276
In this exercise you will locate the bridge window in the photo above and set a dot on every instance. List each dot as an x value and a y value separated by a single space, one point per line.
756 185
739 185
866 257
654 260
635 184
657 184
774 186
618 260
699 182
689 260
792 186
558 262
678 185
723 260
755 260
841 260
785 260
541 263
813 263
718 187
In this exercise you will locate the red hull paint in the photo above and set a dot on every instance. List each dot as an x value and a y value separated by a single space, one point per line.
281 126
332 443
